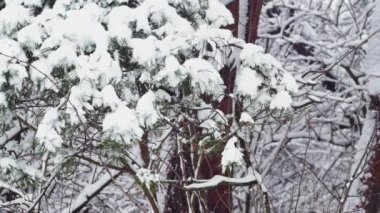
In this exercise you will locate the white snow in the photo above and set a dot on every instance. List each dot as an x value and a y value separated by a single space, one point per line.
118 22
146 111
281 100
147 177
289 82
372 62
3 99
218 179
246 118
231 155
30 36
144 50
40 71
110 97
79 98
13 17
173 72
247 82
204 77
122 124
48 132
218 15
9 63
37 3
10 48
65 55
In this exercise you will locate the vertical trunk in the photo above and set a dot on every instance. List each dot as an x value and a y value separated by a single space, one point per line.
254 10
372 193
218 199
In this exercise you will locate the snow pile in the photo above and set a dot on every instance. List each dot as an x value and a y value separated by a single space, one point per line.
173 73
205 79
11 71
48 133
13 18
122 125
245 118
147 177
146 111
231 155
30 36
263 78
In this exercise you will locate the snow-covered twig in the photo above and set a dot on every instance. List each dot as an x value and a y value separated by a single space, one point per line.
221 180
11 188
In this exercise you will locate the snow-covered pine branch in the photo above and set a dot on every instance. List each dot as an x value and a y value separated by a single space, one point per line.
132 85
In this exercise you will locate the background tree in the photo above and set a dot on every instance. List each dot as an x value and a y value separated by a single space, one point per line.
312 161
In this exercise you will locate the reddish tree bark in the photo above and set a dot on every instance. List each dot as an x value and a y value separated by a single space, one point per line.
372 193
254 10
234 9
219 199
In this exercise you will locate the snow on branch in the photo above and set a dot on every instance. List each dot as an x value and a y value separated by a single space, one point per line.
221 180
11 188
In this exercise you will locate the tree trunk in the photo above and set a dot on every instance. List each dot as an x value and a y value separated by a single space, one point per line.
372 192
218 199
254 10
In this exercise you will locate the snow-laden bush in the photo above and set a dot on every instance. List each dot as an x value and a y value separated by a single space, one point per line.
120 85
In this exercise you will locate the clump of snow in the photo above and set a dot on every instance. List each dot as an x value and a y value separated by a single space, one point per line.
231 155
35 3
79 98
289 82
253 55
91 12
3 99
40 72
173 73
247 82
118 22
144 50
7 163
65 55
10 165
17 73
205 79
146 111
30 36
48 132
210 125
9 63
245 118
110 97
262 77
107 68
10 48
281 100
122 124
147 177
218 15
12 18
